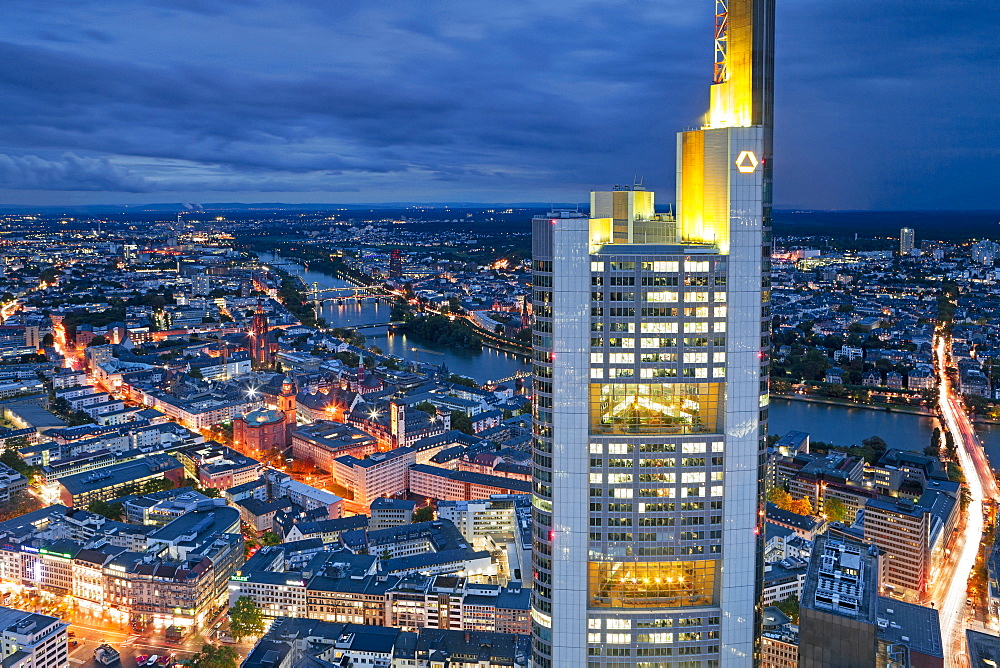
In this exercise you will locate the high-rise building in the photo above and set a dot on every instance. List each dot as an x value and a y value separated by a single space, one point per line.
905 241
396 263
650 385
261 349
844 623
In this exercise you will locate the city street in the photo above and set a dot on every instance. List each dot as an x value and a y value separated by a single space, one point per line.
982 487
130 645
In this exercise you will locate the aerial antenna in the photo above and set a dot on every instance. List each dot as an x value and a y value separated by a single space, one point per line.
637 183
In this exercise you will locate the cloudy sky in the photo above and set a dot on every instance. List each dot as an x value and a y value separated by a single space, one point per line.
888 104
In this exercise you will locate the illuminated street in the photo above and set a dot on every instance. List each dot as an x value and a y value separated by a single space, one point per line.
981 486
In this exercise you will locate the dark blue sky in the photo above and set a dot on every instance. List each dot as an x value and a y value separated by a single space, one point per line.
888 104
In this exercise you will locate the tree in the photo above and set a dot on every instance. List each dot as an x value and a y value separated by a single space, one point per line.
789 606
98 340
245 618
455 379
270 538
424 514
779 497
876 443
801 506
461 422
195 372
19 503
113 511
222 656
14 461
48 340
427 407
834 509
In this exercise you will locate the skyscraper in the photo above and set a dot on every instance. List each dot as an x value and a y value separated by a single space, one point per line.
905 241
650 383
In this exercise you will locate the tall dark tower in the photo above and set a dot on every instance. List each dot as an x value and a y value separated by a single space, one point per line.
396 264
286 404
260 349
651 343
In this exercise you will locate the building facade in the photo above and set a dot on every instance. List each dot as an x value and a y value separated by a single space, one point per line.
650 383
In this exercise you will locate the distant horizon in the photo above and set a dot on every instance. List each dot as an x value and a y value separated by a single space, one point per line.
189 207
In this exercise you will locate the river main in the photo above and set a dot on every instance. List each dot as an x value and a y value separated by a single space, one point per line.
841 425
483 366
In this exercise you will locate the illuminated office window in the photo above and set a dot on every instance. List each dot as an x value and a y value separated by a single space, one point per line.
655 408
668 584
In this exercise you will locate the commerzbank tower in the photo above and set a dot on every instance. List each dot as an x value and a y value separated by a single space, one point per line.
650 348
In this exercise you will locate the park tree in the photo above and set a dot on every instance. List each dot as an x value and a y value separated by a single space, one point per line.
789 606
834 509
424 514
211 656
98 340
270 538
801 506
113 511
245 618
461 422
780 498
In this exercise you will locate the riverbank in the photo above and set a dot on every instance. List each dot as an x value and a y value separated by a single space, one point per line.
884 408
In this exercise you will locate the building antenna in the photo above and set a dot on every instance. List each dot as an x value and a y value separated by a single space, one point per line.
637 183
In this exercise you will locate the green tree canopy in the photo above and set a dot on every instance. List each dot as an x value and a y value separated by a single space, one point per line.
245 618
424 514
789 606
211 656
113 511
835 509
461 422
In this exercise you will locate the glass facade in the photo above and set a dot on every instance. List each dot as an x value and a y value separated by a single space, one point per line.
650 354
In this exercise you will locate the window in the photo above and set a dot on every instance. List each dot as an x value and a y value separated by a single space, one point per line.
659 328
664 296
659 312
623 584
652 408
661 267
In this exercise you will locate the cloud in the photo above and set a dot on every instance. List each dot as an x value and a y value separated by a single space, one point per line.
70 172
501 100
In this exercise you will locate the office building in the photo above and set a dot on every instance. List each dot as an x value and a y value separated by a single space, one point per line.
844 623
906 241
838 610
30 640
650 383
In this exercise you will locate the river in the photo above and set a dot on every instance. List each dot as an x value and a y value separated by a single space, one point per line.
844 425
483 366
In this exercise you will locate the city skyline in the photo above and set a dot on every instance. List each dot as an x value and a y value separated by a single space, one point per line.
307 105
